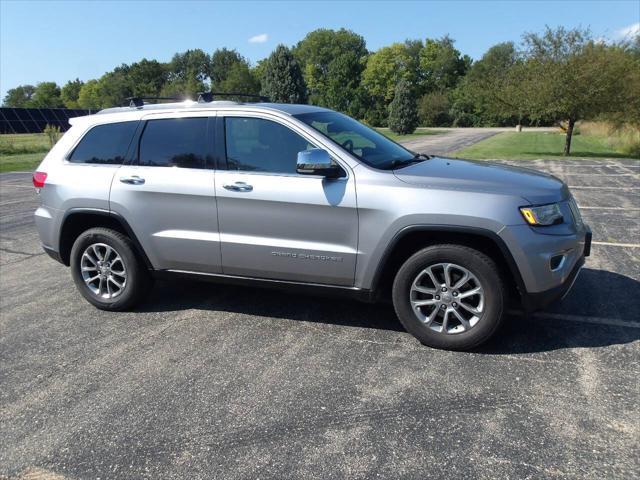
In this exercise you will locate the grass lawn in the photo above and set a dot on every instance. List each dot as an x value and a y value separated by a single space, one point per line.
420 132
534 145
22 152
22 162
23 143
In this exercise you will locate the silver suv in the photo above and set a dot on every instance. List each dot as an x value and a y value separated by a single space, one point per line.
301 196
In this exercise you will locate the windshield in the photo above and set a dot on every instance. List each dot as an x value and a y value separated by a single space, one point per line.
371 147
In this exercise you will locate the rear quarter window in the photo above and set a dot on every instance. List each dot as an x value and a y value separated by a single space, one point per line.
104 144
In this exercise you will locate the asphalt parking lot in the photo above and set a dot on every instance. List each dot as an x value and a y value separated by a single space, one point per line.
209 381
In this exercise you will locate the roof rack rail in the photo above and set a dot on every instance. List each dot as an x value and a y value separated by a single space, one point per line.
138 102
205 97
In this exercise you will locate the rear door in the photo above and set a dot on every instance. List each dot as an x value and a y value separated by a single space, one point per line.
275 223
83 178
167 193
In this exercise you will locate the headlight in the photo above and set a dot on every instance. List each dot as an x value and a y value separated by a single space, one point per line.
542 215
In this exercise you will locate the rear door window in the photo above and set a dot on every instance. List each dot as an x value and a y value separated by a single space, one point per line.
104 144
174 142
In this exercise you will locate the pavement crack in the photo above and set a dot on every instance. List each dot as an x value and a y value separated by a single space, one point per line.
16 252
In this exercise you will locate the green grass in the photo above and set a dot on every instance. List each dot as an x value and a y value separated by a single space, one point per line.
11 144
22 162
534 145
22 152
420 132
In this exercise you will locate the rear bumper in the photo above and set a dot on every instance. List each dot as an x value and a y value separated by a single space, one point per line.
532 302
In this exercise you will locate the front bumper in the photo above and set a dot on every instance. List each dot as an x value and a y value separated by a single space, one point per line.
532 302
53 254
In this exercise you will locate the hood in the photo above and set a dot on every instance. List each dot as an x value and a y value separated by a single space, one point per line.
468 175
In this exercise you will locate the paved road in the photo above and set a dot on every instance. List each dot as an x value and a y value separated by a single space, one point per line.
456 138
223 382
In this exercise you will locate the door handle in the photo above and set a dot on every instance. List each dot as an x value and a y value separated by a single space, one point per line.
132 180
238 187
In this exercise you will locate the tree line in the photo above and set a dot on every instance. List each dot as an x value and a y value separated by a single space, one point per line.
558 75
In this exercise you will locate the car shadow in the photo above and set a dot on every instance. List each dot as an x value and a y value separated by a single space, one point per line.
605 298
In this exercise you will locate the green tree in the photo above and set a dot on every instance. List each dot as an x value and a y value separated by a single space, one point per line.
146 78
565 76
341 87
478 98
46 95
403 114
441 65
258 70
223 61
385 68
114 87
239 79
629 114
70 93
283 81
19 97
332 63
188 74
89 96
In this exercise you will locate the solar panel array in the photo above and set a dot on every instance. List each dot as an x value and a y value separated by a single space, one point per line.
34 120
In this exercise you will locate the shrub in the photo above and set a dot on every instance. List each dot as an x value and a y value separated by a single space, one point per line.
624 138
433 110
377 116
403 113
53 134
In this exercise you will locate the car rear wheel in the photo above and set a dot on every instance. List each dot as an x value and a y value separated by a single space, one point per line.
449 296
107 271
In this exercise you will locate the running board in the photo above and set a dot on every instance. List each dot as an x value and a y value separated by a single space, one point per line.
319 289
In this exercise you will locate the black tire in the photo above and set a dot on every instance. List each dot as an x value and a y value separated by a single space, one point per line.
479 265
138 281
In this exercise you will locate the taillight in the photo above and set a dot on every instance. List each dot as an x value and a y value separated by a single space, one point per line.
38 179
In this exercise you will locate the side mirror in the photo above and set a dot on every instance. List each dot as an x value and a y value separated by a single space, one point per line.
316 161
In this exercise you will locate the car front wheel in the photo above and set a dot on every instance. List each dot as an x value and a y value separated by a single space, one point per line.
449 296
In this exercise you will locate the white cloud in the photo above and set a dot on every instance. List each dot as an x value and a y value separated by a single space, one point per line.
628 32
263 37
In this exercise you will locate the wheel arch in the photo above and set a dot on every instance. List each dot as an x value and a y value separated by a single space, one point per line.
78 220
416 237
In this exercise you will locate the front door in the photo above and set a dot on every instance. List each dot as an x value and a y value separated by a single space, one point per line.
167 194
275 223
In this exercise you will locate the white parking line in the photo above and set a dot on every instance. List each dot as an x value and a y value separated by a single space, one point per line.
593 320
576 165
614 244
11 203
584 187
601 174
609 165
5 185
609 208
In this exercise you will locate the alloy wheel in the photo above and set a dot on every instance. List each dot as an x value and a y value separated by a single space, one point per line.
103 271
447 298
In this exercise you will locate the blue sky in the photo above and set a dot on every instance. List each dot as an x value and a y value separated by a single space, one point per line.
59 41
